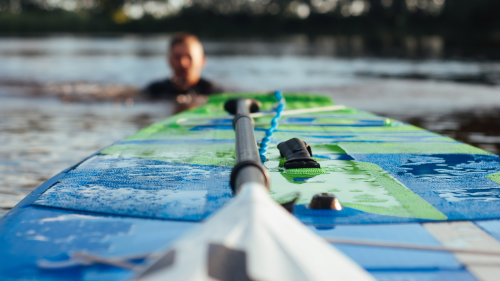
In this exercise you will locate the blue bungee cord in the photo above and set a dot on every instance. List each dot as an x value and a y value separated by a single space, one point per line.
274 125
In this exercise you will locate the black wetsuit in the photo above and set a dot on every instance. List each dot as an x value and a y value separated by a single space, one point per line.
165 89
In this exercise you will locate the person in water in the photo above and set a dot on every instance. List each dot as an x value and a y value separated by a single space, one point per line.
186 86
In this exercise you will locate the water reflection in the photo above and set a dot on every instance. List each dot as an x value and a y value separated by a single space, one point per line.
428 47
457 195
43 136
413 47
479 127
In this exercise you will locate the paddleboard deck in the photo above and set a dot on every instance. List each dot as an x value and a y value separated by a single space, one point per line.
397 183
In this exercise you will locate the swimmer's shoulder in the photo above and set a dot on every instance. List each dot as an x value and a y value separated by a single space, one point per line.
159 89
207 87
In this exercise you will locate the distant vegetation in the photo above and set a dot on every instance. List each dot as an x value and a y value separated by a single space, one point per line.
476 19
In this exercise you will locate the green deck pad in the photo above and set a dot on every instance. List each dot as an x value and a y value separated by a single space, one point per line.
201 154
160 131
291 174
327 149
304 172
359 185
268 101
411 148
169 129
166 128
494 177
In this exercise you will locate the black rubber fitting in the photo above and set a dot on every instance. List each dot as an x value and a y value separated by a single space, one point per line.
243 164
298 154
231 105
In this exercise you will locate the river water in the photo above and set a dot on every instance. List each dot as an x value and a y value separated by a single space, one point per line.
65 97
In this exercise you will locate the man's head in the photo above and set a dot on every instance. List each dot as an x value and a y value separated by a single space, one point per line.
187 59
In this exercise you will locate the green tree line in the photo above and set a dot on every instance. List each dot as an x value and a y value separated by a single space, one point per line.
261 17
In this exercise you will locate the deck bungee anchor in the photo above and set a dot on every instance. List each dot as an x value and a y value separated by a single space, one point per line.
298 154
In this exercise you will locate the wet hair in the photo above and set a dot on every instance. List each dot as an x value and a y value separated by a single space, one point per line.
181 37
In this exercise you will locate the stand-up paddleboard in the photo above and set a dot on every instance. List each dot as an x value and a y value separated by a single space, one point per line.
414 205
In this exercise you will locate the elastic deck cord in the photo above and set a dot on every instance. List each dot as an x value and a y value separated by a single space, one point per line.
274 125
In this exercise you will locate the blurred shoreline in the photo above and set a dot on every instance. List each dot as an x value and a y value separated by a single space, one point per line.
402 45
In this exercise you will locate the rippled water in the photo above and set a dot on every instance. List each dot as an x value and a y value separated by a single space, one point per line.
42 136
290 63
44 130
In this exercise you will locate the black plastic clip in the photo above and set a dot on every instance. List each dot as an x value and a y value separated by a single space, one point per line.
231 105
298 154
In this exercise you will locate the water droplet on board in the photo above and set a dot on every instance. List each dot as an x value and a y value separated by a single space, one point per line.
476 194
445 166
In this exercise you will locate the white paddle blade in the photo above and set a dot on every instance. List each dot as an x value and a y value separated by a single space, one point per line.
253 238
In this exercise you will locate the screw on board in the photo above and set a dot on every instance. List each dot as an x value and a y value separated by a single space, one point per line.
325 201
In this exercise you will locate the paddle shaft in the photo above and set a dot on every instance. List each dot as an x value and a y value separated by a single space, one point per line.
248 167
